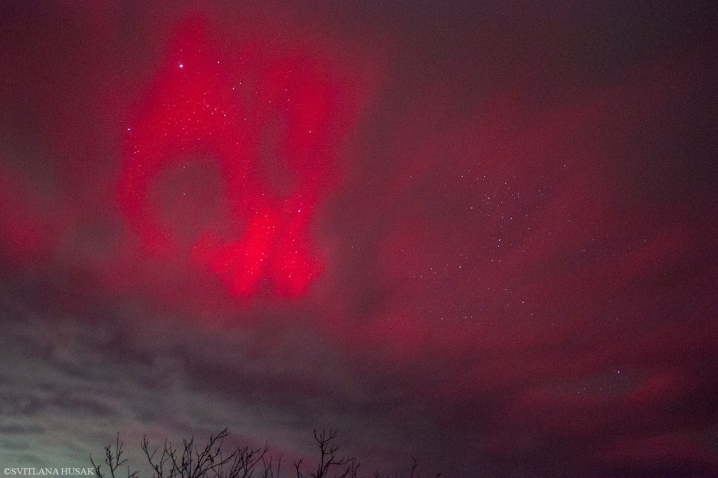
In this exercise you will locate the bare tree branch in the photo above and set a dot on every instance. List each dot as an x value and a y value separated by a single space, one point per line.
114 460
210 461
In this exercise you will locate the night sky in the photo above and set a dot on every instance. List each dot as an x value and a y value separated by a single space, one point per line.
481 233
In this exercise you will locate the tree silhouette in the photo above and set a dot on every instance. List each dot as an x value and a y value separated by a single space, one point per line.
192 460
329 458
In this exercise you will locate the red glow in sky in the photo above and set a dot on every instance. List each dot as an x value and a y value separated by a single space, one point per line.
480 232
274 139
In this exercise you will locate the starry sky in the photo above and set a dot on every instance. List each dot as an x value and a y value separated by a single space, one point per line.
480 233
